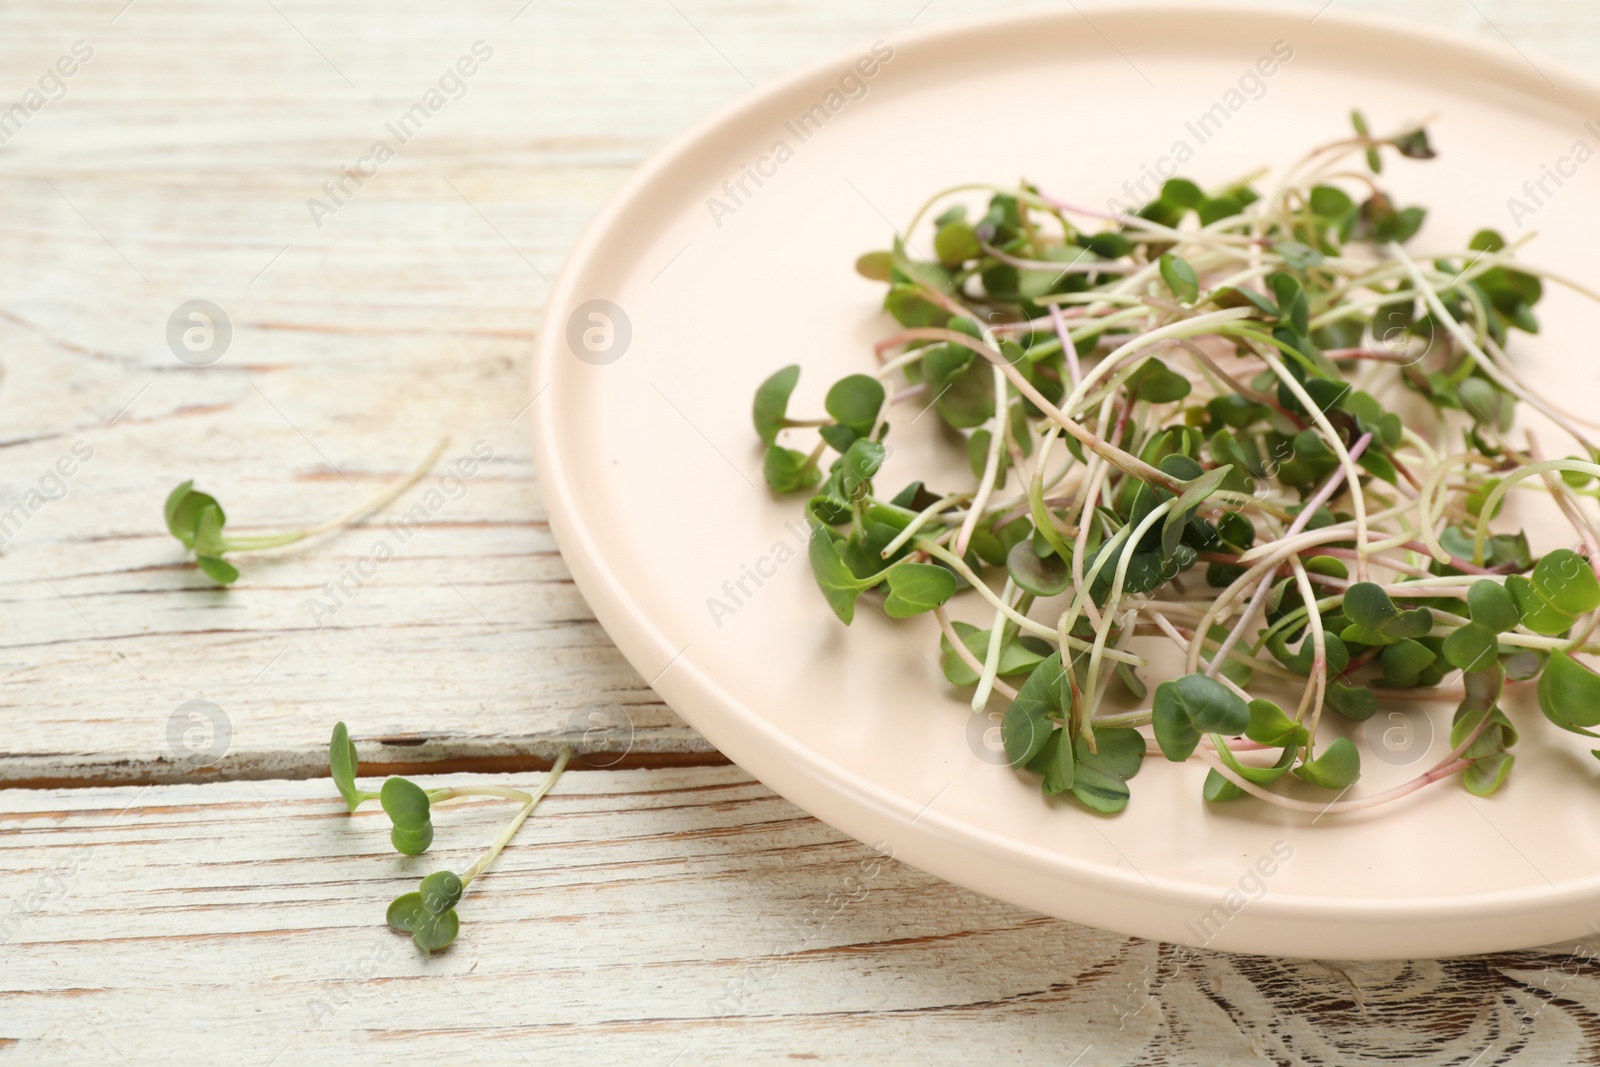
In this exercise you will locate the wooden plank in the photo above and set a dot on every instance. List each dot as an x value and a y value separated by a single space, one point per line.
178 166
643 915
241 921
169 173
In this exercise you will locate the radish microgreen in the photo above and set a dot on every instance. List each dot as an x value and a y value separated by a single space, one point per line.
1260 379
196 519
429 914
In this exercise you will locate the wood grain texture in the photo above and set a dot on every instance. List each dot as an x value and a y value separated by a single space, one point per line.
178 165
647 915
679 915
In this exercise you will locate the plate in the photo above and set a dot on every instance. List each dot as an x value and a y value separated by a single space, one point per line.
729 255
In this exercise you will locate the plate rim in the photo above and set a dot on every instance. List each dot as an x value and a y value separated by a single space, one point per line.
646 647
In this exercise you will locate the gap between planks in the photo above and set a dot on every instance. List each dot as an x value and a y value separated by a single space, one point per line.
428 757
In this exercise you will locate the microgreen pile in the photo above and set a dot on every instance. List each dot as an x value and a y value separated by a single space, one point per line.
429 913
196 519
1249 424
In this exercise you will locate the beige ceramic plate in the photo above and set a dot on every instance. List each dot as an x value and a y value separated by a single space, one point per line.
730 255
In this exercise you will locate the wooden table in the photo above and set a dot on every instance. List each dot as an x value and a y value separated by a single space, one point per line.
179 885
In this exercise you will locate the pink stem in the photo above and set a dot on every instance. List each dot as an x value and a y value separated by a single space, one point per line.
1322 496
965 653
1068 349
1377 799
1043 322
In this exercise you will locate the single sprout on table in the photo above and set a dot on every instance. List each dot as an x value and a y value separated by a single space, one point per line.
196 519
429 914
1252 425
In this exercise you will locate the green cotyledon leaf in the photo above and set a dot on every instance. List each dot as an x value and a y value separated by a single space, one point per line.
1569 694
1192 705
1101 781
1029 721
343 764
1338 766
1016 655
770 408
917 587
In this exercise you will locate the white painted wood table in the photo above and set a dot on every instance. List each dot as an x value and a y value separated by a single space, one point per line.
163 906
